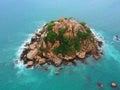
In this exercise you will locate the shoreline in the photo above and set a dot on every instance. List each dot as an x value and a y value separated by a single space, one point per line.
45 60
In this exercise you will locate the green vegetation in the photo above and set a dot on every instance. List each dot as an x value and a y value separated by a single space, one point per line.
67 45
51 37
76 44
83 23
64 48
82 35
88 30
50 25
62 31
41 49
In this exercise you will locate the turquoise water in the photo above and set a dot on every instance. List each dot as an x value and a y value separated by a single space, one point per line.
20 18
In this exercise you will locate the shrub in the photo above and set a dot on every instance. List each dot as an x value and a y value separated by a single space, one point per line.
83 23
62 31
77 44
88 30
50 25
51 36
82 35
64 39
41 49
68 46
64 49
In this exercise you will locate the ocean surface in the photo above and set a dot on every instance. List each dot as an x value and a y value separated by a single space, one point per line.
19 19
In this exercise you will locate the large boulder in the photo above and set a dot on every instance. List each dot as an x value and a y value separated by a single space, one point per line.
81 54
32 54
42 61
67 58
38 33
97 56
57 61
113 84
29 63
32 46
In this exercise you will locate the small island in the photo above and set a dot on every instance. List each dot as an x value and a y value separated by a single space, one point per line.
60 42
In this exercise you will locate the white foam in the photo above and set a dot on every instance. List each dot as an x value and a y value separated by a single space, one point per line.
114 39
109 49
97 35
20 64
20 49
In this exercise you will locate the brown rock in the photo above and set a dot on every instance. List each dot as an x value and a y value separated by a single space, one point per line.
32 46
49 45
38 33
38 58
29 63
42 61
44 44
87 45
81 54
60 56
66 57
96 57
32 53
57 61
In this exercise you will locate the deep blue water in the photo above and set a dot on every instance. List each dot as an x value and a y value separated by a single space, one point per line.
20 18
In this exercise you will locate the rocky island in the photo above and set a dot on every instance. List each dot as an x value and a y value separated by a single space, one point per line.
60 42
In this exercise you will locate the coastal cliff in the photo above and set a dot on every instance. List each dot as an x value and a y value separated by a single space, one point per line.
60 42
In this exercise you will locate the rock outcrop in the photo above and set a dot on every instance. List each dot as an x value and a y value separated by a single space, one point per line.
61 41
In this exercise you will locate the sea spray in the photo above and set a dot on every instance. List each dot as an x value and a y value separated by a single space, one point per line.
109 49
20 64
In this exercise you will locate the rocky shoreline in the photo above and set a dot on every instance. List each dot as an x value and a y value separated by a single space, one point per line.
39 51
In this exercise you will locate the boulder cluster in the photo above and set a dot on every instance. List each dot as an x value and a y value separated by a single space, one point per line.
61 41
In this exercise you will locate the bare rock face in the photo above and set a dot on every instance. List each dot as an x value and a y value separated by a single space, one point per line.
62 41
81 54
67 58
38 34
32 46
42 61
29 63
57 61
32 54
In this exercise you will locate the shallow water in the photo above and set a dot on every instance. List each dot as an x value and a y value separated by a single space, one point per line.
20 19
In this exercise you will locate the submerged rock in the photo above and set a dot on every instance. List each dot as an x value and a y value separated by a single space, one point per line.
30 64
100 85
113 84
32 54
